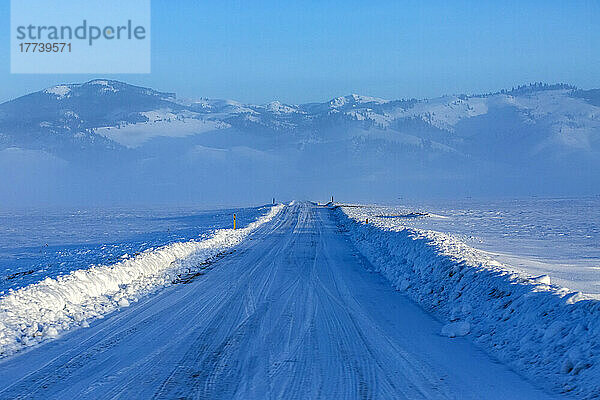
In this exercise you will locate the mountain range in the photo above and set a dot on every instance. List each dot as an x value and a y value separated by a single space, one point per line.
532 139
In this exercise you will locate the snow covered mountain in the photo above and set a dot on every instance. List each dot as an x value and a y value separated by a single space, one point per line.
107 114
540 130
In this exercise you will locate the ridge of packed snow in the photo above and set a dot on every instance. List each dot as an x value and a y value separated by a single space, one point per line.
43 310
549 333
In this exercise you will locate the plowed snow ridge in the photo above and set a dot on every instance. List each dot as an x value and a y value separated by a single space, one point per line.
293 313
549 333
42 310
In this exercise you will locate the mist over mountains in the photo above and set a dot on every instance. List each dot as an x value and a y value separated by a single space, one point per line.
107 142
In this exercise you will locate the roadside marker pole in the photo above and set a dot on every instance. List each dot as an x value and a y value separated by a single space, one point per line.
234 222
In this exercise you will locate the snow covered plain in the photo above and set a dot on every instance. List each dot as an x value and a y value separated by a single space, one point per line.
548 332
292 313
559 237
41 310
40 243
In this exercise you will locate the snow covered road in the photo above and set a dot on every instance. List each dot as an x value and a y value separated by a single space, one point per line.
291 313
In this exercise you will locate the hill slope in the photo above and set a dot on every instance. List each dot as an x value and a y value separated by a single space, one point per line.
536 138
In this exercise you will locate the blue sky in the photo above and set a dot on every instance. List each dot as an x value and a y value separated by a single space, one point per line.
313 50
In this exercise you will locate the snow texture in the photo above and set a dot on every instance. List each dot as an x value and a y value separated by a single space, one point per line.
43 310
455 329
60 91
292 314
554 239
548 333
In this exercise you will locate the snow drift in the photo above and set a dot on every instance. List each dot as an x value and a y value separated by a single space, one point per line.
42 310
548 333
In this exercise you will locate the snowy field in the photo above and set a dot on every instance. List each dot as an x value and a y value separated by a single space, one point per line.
36 243
292 284
55 287
508 274
559 237
289 312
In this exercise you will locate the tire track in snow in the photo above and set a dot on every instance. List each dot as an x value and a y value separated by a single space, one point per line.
202 371
292 314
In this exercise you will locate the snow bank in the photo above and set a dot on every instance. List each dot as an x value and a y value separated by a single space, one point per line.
455 329
548 333
42 310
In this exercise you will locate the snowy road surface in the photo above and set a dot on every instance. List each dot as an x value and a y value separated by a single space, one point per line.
292 313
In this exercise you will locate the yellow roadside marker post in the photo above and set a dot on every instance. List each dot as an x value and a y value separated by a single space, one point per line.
234 222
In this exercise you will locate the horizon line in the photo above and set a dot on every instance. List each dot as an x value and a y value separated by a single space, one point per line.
531 85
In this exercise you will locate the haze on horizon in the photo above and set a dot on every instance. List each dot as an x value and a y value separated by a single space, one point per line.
140 147
105 142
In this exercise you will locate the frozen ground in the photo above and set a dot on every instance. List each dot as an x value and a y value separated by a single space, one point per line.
40 243
559 237
291 311
43 310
